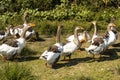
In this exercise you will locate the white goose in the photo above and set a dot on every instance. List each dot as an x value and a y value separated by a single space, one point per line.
11 47
52 54
98 45
111 34
70 47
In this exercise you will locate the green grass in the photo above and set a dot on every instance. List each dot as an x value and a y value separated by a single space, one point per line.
15 71
81 67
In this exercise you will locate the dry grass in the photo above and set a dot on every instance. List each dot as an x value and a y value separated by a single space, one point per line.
81 67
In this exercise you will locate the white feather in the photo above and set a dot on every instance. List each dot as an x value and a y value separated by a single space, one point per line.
69 48
92 49
8 51
112 38
50 57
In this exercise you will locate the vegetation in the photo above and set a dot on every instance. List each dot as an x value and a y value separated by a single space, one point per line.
58 11
15 72
47 15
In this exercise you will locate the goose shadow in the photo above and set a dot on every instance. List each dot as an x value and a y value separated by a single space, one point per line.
26 58
26 55
72 62
116 45
110 54
34 39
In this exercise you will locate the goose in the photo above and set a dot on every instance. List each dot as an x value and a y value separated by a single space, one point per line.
12 47
98 45
111 34
70 47
52 54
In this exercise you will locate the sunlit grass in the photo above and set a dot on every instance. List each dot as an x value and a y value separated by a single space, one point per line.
81 66
15 71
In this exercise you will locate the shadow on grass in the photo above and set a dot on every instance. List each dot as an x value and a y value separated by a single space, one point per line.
26 58
73 62
116 45
110 54
27 55
34 39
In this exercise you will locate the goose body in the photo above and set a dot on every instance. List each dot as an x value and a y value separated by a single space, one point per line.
69 48
111 34
52 54
112 38
13 46
97 47
8 50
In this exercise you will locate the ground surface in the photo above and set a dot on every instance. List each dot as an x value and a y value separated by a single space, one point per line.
81 67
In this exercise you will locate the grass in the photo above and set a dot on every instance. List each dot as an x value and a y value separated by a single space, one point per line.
81 67
15 72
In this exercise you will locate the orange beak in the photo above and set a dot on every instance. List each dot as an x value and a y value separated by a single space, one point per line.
32 24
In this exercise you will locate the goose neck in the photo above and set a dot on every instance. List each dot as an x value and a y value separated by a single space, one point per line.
76 40
58 35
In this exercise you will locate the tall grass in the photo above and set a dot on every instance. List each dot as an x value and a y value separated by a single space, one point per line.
15 71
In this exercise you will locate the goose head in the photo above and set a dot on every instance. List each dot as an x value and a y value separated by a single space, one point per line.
111 26
85 37
26 14
94 22
95 27
76 40
25 18
78 28
60 27
32 24
24 31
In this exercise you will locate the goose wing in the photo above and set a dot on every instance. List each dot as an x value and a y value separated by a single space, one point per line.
12 43
2 32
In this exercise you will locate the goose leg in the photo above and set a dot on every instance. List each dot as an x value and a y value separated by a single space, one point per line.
64 58
13 56
37 35
69 56
4 58
100 56
46 64
94 57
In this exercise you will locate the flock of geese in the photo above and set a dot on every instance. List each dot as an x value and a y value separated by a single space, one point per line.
12 47
99 44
